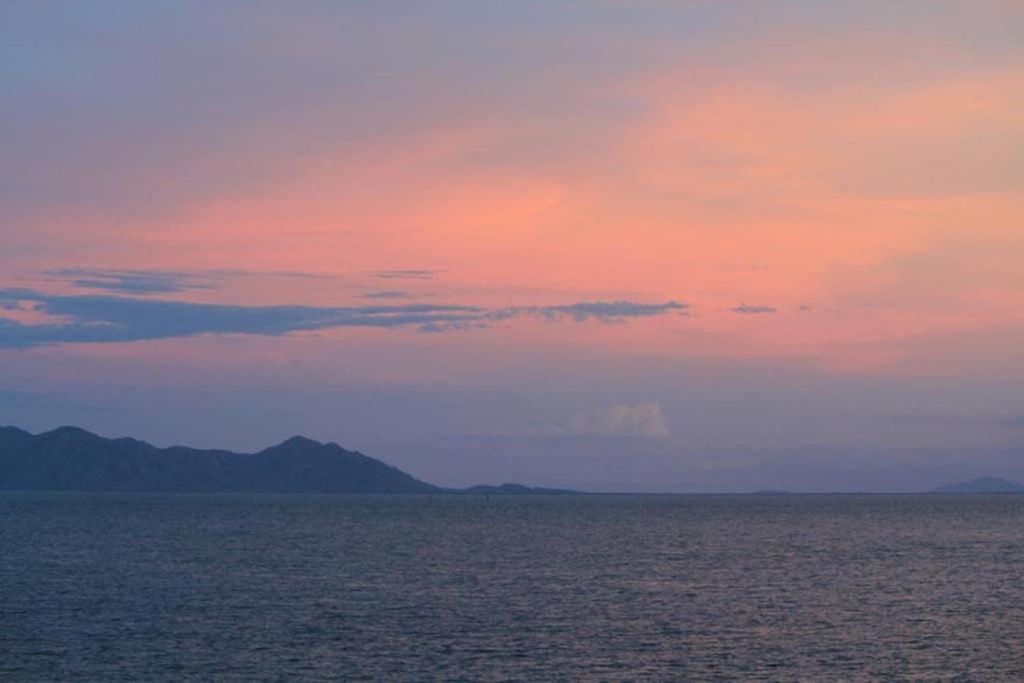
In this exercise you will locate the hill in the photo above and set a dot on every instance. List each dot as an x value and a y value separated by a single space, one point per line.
982 485
514 490
72 459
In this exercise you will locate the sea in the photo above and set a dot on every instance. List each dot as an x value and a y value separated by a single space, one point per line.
135 587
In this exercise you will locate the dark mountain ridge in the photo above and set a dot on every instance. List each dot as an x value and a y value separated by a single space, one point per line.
73 459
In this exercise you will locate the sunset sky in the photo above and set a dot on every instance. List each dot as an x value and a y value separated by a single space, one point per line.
647 245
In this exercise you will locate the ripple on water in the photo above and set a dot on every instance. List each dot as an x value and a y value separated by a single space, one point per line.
130 587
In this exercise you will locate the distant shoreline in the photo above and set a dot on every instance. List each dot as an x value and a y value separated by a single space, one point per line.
72 459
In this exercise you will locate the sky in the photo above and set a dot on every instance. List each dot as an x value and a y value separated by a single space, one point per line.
629 245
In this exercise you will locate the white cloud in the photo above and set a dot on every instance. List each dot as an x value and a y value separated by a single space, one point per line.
641 419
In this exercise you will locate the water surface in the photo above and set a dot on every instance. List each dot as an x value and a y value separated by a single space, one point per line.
177 587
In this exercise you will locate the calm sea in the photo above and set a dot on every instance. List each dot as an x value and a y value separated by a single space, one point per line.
172 587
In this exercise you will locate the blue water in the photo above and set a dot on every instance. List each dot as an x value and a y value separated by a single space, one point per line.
171 587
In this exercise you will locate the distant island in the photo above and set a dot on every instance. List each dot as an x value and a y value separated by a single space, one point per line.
982 485
513 489
73 459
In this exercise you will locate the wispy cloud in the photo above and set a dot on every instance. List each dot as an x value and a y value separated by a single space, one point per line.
405 274
389 294
243 273
142 282
603 311
639 420
608 310
138 282
103 319
753 310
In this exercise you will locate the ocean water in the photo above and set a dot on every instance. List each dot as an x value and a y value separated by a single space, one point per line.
173 587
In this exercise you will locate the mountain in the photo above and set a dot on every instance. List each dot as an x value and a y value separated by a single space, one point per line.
72 459
982 485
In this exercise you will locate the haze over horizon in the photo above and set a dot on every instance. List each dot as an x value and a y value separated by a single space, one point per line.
591 244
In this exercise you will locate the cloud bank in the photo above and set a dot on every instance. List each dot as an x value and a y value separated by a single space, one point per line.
79 319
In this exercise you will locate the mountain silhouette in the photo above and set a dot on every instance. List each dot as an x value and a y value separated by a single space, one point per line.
982 485
73 459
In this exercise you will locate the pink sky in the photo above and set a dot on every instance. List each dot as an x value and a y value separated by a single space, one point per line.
835 195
